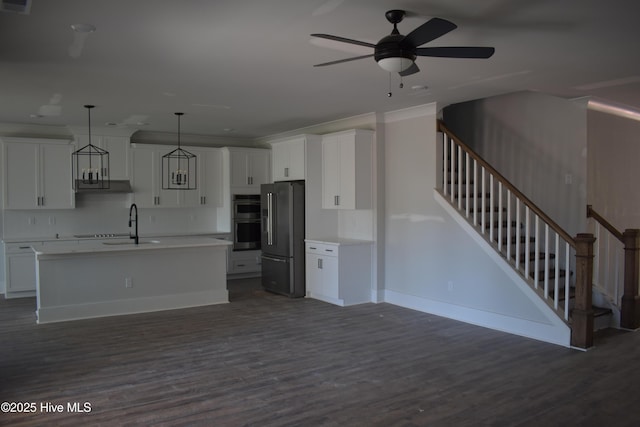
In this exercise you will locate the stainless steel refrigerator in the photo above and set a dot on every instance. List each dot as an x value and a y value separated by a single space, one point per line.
282 207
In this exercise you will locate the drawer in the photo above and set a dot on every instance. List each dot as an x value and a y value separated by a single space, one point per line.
246 265
324 249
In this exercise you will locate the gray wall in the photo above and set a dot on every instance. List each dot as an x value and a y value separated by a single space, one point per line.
538 142
613 172
431 264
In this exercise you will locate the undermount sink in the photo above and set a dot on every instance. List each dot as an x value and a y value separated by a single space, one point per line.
129 242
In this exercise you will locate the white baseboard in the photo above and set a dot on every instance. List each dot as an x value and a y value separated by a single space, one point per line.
554 333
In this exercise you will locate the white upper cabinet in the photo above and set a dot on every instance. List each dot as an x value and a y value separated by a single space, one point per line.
37 174
289 158
210 179
249 167
146 178
347 170
119 152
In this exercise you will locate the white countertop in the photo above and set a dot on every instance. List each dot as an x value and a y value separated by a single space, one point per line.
112 245
74 238
339 241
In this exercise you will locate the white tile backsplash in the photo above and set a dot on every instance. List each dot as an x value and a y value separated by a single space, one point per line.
107 213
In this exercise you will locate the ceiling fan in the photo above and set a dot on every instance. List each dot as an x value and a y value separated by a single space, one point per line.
397 53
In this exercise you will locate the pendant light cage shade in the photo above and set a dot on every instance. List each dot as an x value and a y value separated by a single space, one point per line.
179 168
90 165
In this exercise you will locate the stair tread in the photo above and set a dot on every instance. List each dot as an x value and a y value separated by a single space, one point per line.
601 311
505 223
532 256
561 293
598 311
513 239
552 273
487 209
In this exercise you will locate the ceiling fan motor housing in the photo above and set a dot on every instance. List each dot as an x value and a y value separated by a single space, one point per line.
392 46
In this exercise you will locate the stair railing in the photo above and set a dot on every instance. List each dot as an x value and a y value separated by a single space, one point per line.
535 245
617 267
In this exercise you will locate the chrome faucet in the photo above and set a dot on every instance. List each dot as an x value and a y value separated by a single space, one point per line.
135 236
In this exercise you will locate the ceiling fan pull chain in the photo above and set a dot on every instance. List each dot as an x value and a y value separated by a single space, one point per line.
401 84
389 94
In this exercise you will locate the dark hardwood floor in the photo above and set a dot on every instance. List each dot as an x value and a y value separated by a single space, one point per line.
267 360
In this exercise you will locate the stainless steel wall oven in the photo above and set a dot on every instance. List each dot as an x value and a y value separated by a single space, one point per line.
246 222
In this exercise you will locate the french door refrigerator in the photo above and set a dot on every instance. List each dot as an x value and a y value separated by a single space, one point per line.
282 239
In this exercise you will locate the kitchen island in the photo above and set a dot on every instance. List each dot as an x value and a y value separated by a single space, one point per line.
95 279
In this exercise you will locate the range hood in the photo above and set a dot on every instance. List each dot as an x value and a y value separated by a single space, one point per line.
115 186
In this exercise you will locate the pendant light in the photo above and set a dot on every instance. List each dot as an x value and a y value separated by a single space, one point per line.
179 167
90 165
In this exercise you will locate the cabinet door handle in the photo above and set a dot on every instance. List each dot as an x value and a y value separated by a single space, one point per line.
311 247
320 263
286 172
336 200
329 250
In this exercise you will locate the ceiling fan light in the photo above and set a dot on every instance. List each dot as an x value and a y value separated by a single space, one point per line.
395 64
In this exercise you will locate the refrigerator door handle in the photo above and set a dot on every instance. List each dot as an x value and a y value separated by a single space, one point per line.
269 219
273 259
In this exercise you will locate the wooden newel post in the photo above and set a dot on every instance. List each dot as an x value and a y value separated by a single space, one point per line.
582 314
630 314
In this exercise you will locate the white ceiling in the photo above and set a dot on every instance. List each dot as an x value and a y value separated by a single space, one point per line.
247 65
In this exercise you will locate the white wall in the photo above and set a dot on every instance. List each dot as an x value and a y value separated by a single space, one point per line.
538 142
613 173
431 263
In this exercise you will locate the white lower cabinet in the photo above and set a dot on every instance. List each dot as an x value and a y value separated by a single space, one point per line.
339 272
20 272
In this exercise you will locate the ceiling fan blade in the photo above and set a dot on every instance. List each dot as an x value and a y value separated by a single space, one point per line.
343 60
430 30
456 52
411 70
343 40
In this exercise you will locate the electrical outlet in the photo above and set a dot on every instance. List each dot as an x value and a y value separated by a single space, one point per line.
128 283
31 220
52 220
568 179
152 218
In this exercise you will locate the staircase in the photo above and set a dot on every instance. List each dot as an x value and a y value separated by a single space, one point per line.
555 265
